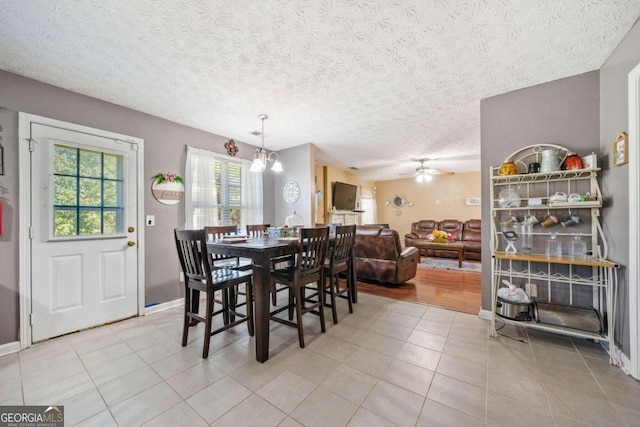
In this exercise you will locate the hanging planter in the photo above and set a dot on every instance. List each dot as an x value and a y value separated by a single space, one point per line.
167 188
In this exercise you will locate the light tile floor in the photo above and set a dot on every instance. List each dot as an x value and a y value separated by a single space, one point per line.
390 363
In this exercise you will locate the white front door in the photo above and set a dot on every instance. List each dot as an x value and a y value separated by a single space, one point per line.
84 252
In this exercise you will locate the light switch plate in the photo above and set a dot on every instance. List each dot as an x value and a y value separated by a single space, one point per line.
150 221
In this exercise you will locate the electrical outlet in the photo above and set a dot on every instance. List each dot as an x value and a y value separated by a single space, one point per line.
150 220
532 290
181 278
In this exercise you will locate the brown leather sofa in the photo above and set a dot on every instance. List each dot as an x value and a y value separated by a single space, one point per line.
468 232
379 256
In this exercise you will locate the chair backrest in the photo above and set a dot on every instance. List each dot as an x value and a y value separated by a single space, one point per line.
311 251
192 251
257 230
343 243
215 232
383 244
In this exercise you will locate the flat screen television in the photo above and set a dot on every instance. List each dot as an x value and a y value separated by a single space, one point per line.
344 196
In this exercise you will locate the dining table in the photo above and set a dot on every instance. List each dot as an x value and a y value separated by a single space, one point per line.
261 250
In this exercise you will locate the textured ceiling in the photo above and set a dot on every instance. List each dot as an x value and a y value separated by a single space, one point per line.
372 83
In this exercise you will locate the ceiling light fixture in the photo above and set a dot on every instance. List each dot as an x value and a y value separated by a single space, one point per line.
423 176
260 158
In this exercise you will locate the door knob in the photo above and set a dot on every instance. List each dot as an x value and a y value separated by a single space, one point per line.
131 243
131 229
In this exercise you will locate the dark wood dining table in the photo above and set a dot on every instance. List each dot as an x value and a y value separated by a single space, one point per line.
261 250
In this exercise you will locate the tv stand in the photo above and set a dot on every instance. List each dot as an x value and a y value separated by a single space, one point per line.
344 217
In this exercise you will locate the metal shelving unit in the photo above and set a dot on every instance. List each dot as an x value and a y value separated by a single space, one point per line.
561 279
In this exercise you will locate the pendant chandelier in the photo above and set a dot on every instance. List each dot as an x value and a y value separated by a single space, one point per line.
261 158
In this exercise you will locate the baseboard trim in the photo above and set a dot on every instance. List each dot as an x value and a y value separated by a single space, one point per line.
625 362
164 306
485 314
10 347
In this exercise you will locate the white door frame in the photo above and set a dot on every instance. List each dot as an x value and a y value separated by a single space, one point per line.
24 167
634 222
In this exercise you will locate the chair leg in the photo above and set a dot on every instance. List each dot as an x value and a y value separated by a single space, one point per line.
322 296
233 301
349 287
225 306
274 296
187 305
195 304
249 305
332 295
207 329
292 299
299 300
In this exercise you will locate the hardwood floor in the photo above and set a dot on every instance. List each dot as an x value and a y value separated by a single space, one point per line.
451 289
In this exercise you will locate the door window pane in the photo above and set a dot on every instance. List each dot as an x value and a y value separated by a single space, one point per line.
65 190
87 192
90 163
90 192
65 222
66 160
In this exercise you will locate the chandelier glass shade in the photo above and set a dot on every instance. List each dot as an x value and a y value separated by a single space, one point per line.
260 158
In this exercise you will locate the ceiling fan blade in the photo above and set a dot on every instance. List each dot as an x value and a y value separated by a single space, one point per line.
439 172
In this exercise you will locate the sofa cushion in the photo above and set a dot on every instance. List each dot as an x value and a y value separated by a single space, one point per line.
453 227
423 228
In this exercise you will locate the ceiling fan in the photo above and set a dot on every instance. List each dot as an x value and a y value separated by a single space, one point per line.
423 173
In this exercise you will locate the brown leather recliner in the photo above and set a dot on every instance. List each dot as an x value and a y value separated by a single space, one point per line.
379 256
471 236
420 230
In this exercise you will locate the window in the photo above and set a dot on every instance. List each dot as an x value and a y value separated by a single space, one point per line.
87 192
368 205
220 190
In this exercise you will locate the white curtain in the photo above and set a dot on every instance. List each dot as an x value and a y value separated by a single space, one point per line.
368 205
201 207
252 205
200 189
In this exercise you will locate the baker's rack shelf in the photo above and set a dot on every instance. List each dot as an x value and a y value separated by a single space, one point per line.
555 276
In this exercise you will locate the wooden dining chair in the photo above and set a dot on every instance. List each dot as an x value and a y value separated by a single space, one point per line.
217 232
257 230
199 276
307 269
339 261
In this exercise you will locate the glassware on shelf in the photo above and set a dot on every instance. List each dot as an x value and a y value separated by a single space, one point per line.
577 247
526 238
511 235
554 246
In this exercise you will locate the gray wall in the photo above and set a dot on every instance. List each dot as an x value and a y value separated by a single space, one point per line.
298 167
165 151
563 112
614 118
9 267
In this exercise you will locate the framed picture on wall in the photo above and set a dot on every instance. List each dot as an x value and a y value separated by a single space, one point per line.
473 201
621 149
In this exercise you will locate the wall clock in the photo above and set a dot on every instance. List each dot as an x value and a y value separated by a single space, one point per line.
291 192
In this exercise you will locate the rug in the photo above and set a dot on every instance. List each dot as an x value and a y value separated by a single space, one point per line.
450 264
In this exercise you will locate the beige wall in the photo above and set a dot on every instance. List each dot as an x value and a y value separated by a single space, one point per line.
442 198
333 175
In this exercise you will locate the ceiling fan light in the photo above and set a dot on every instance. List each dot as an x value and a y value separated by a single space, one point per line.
427 178
420 178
